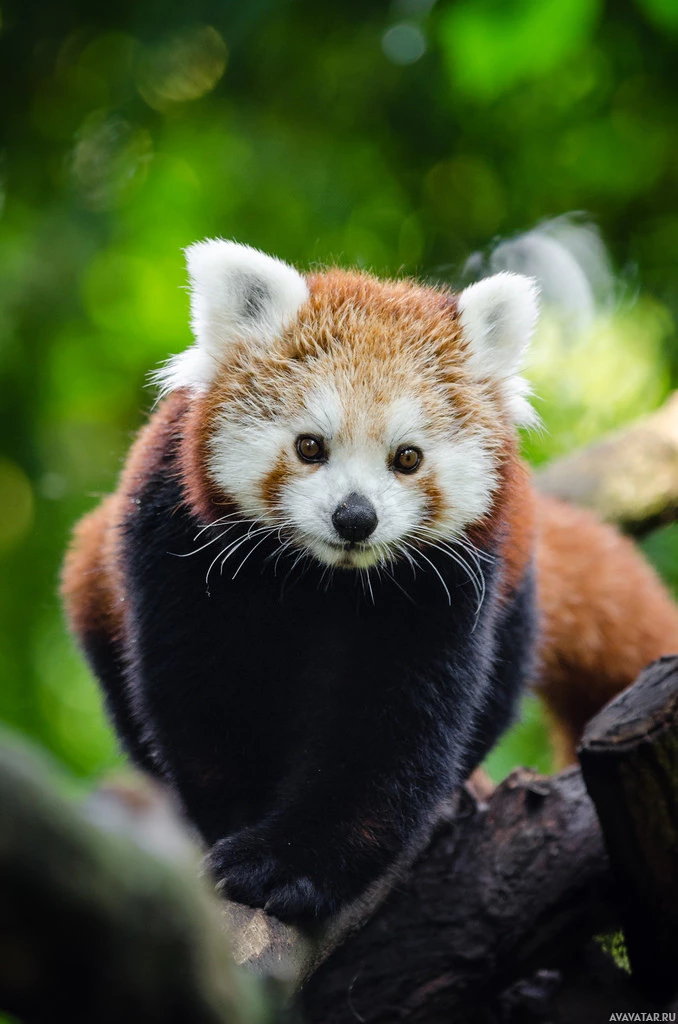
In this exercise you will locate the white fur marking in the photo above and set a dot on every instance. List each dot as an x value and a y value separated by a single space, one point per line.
244 449
461 461
242 453
237 294
499 315
405 421
323 412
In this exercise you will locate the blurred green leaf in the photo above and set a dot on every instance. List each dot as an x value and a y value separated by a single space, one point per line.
663 13
491 45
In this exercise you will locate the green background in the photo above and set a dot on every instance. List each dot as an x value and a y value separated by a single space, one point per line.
398 137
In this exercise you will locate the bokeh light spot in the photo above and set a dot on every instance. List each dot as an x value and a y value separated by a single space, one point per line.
182 68
404 43
53 486
16 504
110 160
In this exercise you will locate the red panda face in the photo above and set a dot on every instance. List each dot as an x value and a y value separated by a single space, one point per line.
355 461
362 420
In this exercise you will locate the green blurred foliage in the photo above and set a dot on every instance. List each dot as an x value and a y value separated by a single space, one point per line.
396 137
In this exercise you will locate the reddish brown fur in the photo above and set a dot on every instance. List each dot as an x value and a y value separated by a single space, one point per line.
88 587
92 587
435 501
274 481
205 498
512 518
604 613
604 616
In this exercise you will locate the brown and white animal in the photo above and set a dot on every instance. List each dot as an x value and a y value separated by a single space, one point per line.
325 577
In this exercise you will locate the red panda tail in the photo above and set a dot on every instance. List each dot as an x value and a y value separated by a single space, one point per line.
604 616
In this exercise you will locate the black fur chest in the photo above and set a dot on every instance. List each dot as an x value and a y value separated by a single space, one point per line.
287 619
267 677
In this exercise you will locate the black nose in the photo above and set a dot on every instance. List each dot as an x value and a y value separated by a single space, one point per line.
355 518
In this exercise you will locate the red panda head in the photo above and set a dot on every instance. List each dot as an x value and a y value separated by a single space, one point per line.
358 417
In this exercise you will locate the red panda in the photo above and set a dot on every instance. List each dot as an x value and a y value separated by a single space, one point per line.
325 578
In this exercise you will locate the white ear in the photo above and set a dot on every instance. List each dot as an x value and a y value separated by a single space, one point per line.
498 316
237 294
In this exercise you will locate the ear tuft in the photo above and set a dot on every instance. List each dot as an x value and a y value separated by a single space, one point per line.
498 317
237 294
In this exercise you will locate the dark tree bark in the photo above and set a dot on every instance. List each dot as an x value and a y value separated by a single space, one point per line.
629 757
504 888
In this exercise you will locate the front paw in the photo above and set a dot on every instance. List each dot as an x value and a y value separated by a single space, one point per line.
251 868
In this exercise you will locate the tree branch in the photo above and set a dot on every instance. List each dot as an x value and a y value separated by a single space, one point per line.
93 927
629 757
504 888
629 478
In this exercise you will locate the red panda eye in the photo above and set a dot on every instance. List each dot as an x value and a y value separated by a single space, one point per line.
407 460
310 449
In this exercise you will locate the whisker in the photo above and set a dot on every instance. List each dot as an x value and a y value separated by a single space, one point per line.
251 552
219 522
209 569
327 572
226 553
295 563
462 541
330 577
369 584
486 556
458 560
400 588
436 571
282 550
474 553
446 548
240 541
403 551
187 554
477 581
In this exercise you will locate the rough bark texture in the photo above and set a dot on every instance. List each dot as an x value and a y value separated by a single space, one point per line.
629 478
629 756
505 887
